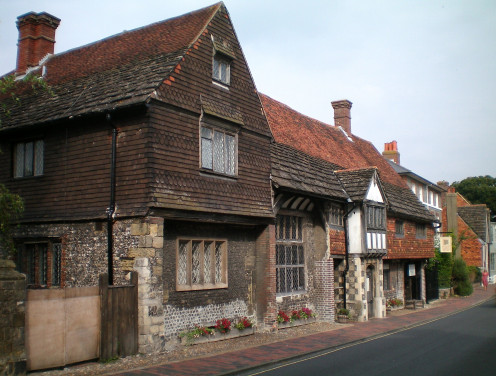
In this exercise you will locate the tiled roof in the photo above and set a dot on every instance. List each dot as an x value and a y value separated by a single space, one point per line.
477 217
331 144
299 172
356 182
121 70
404 203
324 141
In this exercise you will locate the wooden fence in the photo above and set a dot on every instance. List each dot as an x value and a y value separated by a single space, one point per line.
71 325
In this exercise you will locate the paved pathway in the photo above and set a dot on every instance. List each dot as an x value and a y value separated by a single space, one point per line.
233 362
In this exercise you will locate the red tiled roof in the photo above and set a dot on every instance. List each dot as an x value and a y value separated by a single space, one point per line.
121 70
162 37
325 141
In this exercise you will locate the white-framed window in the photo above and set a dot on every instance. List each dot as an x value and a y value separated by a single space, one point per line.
435 200
290 255
420 231
41 261
218 150
221 69
336 215
28 158
420 194
201 264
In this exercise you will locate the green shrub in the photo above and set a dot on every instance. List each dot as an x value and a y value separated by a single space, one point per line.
461 281
474 274
444 263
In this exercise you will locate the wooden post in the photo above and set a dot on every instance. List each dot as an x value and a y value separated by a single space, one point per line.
104 316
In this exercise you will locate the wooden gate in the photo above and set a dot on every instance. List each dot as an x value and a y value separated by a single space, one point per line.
62 326
71 325
119 318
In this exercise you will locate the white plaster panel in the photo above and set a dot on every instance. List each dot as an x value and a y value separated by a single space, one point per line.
374 193
355 231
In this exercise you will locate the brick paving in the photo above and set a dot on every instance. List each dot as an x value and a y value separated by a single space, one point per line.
235 361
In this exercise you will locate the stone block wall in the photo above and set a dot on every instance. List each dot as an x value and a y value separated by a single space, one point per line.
145 256
12 319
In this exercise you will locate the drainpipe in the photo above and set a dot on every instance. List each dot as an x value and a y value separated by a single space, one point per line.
111 208
347 252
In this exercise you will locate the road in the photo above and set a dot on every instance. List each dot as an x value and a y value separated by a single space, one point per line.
460 344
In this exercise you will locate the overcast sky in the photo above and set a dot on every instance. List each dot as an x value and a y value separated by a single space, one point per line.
422 73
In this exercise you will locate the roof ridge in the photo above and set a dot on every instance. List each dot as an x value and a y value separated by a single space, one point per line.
140 28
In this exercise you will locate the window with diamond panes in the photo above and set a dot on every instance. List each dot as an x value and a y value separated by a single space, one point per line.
218 151
28 158
221 69
290 257
201 264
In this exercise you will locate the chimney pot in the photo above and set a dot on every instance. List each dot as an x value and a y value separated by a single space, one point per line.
36 39
391 152
342 116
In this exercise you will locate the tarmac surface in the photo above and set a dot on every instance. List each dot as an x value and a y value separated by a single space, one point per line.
236 361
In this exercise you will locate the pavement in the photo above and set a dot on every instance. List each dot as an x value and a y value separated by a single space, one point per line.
234 362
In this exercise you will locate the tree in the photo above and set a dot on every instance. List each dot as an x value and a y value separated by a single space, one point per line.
11 86
11 208
479 190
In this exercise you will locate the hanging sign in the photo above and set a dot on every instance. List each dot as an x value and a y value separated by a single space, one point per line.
446 244
411 270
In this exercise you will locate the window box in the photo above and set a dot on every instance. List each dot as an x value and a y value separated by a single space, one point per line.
233 333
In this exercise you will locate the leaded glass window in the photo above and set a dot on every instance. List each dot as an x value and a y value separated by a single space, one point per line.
376 217
336 214
201 264
221 69
28 159
218 151
290 255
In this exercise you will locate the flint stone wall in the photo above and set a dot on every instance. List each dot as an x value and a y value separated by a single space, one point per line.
12 318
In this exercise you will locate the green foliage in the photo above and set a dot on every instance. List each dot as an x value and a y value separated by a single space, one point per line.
444 262
479 190
11 208
474 274
344 311
461 281
10 87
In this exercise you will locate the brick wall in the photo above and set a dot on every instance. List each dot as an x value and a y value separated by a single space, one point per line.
324 290
470 246
408 245
337 241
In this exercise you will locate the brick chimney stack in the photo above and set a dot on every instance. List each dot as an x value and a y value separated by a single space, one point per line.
391 152
36 39
342 117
